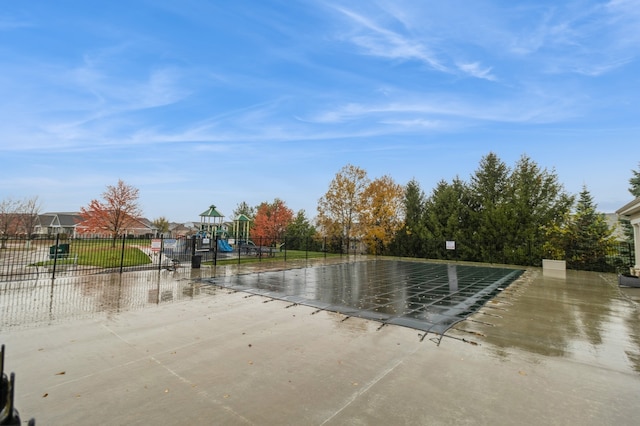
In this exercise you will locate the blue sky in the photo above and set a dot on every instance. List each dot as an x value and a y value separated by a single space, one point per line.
218 102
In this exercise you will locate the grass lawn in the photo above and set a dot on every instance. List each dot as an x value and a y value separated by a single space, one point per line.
100 253
279 257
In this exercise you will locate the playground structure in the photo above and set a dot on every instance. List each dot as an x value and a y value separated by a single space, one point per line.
212 228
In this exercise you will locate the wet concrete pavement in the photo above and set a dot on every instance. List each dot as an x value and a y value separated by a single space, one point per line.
545 351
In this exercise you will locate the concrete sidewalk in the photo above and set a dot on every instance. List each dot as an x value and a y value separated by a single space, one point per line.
545 351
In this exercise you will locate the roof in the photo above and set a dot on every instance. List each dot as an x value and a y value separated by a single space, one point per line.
243 218
211 212
64 219
630 209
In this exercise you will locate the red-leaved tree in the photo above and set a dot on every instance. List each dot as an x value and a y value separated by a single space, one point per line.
271 220
118 211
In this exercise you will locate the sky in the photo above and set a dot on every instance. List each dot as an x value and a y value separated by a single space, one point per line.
218 102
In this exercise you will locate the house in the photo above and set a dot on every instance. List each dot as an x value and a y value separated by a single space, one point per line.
53 223
178 230
632 212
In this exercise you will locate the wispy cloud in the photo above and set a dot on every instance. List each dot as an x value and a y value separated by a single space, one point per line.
376 40
591 40
476 70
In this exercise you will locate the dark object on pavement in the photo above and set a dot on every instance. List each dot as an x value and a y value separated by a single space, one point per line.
627 280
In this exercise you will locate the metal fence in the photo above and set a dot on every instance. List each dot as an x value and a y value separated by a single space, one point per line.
55 256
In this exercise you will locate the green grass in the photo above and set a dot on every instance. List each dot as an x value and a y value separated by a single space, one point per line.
102 255
279 257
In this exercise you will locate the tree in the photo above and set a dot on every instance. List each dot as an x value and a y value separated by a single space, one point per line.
381 213
446 215
339 208
30 209
634 183
411 235
299 231
161 224
245 209
592 236
634 189
9 219
118 210
489 207
534 200
585 239
272 220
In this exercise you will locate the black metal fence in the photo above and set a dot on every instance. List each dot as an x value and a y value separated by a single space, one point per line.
26 259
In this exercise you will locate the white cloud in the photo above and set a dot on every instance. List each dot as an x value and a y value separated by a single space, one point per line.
476 70
379 41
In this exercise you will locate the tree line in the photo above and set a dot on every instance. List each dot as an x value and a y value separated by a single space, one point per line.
501 214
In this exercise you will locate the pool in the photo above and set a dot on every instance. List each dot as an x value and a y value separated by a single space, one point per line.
430 297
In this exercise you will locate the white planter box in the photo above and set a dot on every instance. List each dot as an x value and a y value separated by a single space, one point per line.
554 268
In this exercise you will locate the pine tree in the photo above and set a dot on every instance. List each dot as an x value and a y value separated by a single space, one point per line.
409 238
489 209
534 200
446 216
634 189
590 237
299 232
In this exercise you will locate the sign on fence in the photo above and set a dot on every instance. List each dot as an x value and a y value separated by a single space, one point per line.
156 245
171 243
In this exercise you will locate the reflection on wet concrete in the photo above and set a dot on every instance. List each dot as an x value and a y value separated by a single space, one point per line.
34 302
585 317
425 296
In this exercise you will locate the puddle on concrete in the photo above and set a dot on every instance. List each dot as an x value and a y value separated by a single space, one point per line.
425 296
585 317
44 301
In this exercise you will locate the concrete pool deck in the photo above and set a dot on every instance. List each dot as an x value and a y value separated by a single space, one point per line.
544 351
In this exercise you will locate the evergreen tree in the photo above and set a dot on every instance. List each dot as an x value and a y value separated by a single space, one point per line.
300 232
489 208
534 200
634 181
634 189
409 238
589 236
244 209
446 217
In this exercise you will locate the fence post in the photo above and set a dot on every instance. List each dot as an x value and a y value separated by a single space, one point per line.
161 250
55 256
122 253
324 246
215 251
285 248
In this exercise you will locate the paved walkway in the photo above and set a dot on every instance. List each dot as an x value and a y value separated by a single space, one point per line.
545 351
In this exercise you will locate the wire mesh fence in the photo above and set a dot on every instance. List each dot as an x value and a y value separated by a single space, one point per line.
59 255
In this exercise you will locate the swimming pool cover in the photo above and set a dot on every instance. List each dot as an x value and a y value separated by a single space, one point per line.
425 296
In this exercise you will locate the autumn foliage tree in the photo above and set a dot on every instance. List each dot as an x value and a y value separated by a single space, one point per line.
381 213
339 208
117 211
272 220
